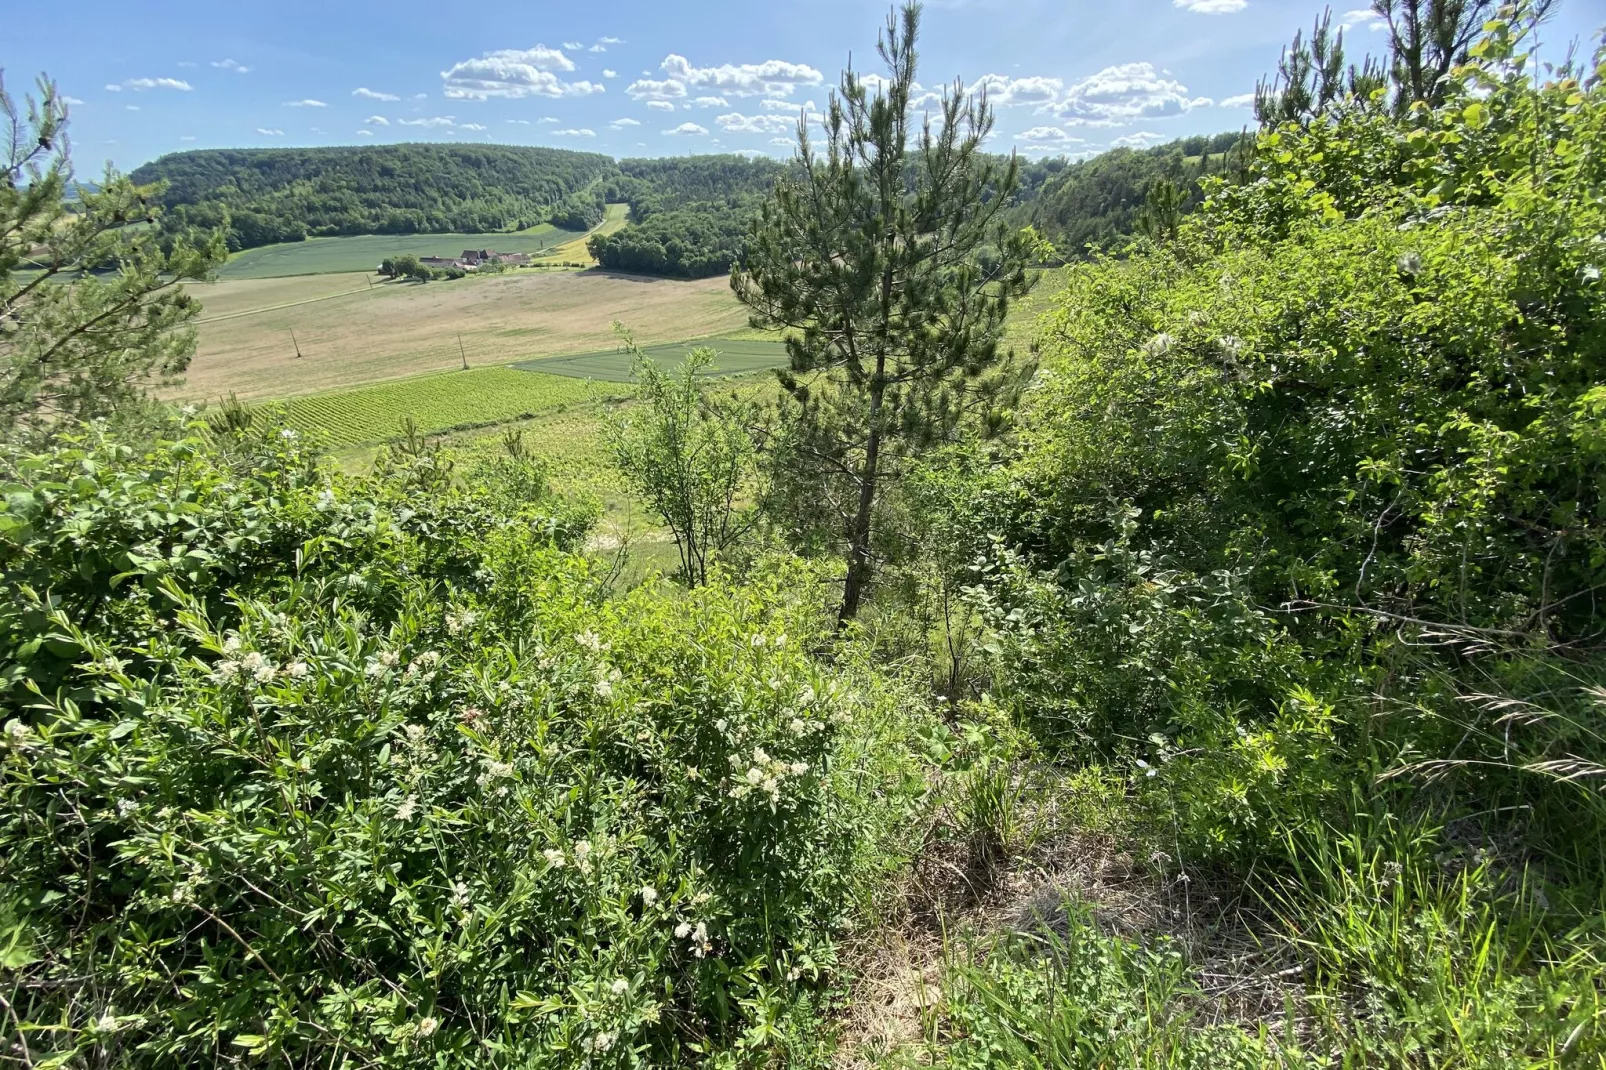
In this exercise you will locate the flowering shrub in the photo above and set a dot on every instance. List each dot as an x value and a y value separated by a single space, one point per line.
319 772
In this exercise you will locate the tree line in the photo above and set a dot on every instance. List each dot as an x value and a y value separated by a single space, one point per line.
277 195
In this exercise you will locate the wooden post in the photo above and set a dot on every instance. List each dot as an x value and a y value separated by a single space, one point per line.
463 352
295 343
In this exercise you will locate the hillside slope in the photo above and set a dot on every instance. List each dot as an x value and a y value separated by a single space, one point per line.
275 195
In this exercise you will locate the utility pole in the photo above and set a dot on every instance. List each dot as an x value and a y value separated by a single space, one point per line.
295 343
462 351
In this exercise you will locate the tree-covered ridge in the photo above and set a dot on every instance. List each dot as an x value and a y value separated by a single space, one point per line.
1096 202
272 195
689 215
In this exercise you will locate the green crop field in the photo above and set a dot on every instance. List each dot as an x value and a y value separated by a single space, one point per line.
435 403
363 252
735 357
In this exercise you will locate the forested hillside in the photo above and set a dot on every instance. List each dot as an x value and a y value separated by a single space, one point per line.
274 195
689 215
1095 203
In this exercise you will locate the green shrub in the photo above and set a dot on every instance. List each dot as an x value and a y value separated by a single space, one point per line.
368 771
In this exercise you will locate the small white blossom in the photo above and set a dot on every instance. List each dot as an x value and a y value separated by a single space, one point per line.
407 809
554 858
414 732
758 641
288 435
619 986
427 1027
798 726
649 895
600 1042
1159 345
683 930
18 734
755 775
591 641
799 768
389 659
460 897
126 807
225 671
297 670
107 1022
231 645
326 499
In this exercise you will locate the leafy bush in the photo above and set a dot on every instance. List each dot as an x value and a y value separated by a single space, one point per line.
311 769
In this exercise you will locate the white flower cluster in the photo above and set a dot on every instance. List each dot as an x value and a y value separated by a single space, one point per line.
591 641
696 935
600 1042
765 774
581 852
606 678
407 809
461 621
253 667
382 664
18 735
423 666
494 771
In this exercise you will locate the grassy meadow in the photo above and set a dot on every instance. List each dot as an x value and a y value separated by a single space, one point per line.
400 329
736 357
478 397
363 252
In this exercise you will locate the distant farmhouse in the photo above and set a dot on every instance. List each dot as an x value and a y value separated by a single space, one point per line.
473 258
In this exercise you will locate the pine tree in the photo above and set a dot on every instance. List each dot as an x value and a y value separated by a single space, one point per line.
92 307
869 257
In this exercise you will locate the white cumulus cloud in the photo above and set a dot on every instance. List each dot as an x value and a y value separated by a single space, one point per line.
582 132
660 105
1006 92
365 133
139 85
377 120
513 73
573 46
71 100
772 78
620 124
688 130
308 103
270 133
471 126
371 94
1362 16
1211 7
1242 100
767 123
231 65
712 102
1123 94
1141 140
606 73
433 123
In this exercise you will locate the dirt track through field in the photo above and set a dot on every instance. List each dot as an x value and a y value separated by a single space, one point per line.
397 329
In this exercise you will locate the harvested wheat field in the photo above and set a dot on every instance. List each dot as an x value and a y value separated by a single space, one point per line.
395 329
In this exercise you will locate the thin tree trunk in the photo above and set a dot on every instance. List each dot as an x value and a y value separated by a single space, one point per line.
859 534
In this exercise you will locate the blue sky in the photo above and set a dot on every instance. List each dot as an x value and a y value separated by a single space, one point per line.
641 77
